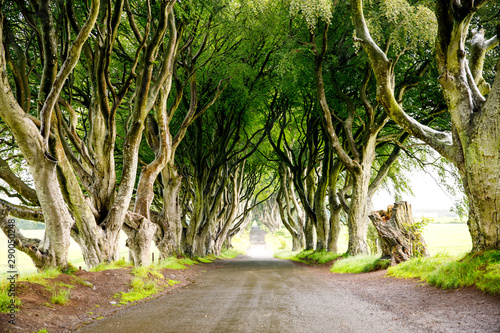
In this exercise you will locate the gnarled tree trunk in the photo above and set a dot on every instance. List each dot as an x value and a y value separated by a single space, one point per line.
400 240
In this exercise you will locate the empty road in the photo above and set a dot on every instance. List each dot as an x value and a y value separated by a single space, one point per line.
269 295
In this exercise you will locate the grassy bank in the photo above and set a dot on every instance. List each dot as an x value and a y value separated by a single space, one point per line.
481 270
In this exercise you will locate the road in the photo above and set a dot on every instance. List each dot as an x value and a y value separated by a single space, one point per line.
269 295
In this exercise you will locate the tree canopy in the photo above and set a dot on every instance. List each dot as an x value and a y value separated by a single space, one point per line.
181 123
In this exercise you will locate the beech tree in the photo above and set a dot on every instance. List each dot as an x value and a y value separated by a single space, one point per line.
473 105
355 125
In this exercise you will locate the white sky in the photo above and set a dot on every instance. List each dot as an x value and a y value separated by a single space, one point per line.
428 194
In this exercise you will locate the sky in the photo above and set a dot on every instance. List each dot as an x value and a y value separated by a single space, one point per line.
428 195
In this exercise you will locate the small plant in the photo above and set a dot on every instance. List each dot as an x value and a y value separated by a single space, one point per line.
60 296
44 330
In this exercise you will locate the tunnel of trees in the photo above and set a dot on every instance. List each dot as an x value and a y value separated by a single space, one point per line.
181 122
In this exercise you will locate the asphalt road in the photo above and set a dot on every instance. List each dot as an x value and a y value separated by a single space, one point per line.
260 295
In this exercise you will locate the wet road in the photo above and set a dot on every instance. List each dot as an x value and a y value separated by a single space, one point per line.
258 295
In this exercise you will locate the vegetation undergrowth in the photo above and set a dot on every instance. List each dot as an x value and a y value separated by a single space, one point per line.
285 254
60 296
111 265
147 281
480 269
316 257
230 253
5 298
360 263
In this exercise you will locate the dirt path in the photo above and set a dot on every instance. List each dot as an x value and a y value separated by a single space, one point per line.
270 295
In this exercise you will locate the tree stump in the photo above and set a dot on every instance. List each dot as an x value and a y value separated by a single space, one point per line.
400 236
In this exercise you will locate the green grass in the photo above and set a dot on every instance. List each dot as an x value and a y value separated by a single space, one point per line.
229 253
359 264
5 298
204 259
147 281
481 270
316 257
60 296
170 263
241 243
104 266
41 276
285 254
451 238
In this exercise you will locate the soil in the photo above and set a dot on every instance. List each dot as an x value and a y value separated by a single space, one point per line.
88 303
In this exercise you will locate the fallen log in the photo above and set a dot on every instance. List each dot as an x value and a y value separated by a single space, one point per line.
400 237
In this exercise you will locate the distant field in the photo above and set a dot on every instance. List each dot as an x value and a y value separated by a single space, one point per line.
25 265
451 238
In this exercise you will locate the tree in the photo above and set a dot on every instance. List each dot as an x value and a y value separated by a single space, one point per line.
472 103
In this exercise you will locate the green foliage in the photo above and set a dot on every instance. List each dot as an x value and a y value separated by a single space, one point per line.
312 11
402 25
60 296
41 276
170 263
112 265
5 298
359 264
147 281
204 259
42 331
285 255
480 269
229 253
316 257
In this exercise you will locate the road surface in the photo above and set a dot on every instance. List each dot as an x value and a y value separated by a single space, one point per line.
269 295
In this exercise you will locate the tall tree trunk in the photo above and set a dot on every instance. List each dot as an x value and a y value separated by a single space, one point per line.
358 212
335 206
169 233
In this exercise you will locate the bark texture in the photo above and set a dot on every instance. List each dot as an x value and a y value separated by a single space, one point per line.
400 239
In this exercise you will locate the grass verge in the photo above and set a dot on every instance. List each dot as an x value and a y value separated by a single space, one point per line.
146 282
316 257
359 264
480 269
111 265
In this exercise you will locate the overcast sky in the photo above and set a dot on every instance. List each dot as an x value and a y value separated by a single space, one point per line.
428 195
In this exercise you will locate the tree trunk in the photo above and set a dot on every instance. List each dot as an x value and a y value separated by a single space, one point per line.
358 211
169 233
140 232
333 237
400 240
